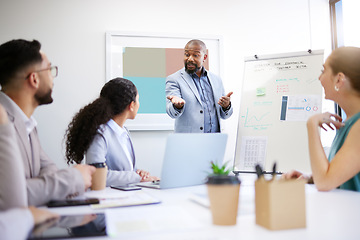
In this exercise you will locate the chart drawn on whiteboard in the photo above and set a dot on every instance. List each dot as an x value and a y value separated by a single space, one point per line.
256 121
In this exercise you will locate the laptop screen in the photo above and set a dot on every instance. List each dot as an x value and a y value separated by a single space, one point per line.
188 157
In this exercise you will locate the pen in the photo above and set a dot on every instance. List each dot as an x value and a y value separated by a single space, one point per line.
274 171
259 171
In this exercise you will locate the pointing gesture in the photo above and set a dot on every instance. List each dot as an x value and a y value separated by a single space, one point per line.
224 101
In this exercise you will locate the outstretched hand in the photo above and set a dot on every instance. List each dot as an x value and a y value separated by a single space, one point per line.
224 101
176 101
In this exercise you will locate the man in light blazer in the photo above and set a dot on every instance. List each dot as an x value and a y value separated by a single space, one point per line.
26 78
16 219
195 96
11 167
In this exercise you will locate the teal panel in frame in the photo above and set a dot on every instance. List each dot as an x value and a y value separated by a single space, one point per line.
151 94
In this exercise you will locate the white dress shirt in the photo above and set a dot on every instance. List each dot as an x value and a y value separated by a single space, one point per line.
113 146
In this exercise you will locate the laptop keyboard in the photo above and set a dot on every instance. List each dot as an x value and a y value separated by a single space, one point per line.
156 182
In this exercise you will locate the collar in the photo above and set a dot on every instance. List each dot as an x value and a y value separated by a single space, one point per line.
116 128
203 73
30 123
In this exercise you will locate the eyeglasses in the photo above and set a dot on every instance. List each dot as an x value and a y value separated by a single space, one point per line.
53 71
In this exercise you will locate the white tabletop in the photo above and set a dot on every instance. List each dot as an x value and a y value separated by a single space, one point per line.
329 215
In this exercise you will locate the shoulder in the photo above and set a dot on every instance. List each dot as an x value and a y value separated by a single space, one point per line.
354 129
8 106
103 133
352 125
348 155
352 137
213 76
177 73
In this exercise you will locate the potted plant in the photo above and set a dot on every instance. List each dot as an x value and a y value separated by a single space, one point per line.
223 192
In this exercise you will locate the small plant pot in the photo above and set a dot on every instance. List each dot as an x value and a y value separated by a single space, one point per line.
223 192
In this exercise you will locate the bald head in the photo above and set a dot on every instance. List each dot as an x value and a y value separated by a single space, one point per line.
196 42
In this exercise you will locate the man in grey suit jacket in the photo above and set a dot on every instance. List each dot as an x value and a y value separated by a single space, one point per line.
195 96
13 200
26 78
11 168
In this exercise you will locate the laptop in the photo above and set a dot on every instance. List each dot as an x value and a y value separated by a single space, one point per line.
187 159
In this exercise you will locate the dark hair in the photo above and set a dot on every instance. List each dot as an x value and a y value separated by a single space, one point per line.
347 61
16 55
115 96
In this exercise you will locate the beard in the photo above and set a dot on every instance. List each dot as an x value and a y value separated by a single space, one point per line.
45 98
191 71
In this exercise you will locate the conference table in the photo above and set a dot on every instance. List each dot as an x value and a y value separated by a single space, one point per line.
183 213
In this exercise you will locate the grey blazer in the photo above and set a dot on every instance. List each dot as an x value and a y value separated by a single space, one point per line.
191 118
12 180
44 182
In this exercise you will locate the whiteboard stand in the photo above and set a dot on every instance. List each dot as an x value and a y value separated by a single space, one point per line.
280 92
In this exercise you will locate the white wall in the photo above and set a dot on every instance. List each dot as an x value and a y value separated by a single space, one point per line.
73 36
351 19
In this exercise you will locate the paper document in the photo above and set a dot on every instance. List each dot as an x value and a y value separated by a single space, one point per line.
134 198
252 152
123 223
299 107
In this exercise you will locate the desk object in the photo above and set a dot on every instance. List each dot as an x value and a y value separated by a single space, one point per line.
329 215
223 191
135 198
98 179
71 226
75 202
280 204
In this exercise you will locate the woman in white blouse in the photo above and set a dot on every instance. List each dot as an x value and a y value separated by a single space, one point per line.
97 131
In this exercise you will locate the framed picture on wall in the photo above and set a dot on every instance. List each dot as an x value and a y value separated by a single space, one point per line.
147 59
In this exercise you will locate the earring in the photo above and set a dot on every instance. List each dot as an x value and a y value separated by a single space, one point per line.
336 88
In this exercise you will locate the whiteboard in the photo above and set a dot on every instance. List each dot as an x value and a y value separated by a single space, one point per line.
279 93
118 42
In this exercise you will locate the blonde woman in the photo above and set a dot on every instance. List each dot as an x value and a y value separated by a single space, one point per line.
340 79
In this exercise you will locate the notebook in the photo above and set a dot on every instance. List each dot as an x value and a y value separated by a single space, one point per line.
187 159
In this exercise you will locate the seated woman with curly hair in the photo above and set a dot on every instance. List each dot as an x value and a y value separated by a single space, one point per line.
97 131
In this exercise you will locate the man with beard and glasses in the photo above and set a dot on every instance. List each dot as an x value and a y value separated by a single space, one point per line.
26 79
195 96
